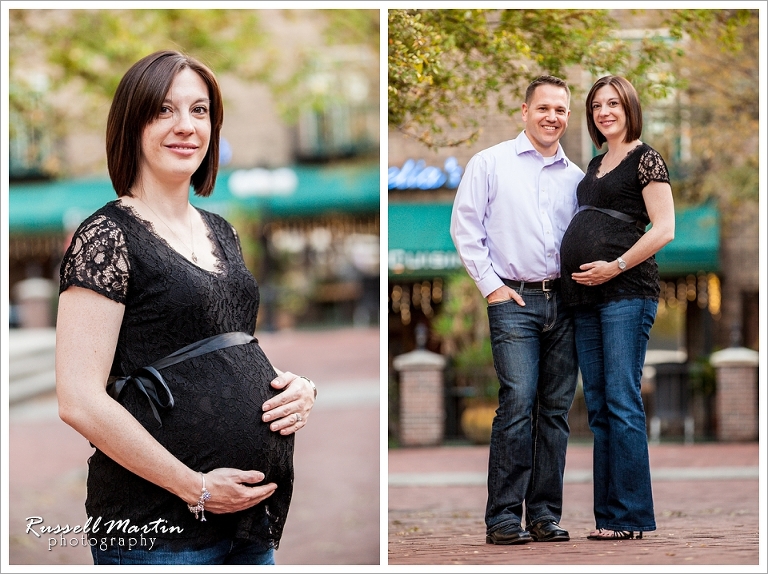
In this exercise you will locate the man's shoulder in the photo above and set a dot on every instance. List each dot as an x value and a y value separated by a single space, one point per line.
501 149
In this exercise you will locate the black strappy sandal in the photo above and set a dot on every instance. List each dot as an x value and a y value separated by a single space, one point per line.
605 534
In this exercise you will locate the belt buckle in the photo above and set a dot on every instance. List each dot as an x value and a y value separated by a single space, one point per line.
544 285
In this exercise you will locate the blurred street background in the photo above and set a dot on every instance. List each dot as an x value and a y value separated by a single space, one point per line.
334 515
299 156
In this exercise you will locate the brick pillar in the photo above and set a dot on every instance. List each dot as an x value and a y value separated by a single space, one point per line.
35 302
422 406
736 398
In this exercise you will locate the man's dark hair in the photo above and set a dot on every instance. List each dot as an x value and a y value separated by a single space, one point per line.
545 79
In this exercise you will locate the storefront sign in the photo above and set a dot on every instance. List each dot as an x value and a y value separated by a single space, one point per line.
418 175
262 182
402 261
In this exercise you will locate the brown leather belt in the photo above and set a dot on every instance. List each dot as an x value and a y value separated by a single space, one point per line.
545 285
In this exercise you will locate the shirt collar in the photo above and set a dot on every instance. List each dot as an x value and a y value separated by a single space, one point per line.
524 145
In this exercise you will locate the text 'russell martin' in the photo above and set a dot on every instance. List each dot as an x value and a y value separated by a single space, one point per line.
93 533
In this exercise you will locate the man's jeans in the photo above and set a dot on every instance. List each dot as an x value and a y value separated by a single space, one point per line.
611 341
535 360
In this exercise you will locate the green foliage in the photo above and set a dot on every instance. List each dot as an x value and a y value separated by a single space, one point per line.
720 111
96 47
318 81
447 68
247 224
352 27
473 367
85 52
702 24
476 355
463 322
465 338
702 378
393 410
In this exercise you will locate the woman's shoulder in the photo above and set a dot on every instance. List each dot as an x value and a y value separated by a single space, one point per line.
651 165
97 255
645 151
107 210
107 217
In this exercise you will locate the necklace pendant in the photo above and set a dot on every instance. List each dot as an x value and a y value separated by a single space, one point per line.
194 258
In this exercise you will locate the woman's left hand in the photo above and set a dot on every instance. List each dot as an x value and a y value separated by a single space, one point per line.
288 411
596 273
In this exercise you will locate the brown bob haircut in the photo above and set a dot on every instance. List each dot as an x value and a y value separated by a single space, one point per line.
629 101
137 103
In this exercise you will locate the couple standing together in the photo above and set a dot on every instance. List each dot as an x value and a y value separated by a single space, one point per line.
571 281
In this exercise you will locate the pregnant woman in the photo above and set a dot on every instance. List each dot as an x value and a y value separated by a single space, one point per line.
611 279
156 363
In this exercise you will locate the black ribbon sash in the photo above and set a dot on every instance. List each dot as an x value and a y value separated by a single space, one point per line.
151 383
616 214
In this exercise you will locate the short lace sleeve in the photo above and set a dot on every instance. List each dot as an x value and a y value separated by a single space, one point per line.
652 168
97 259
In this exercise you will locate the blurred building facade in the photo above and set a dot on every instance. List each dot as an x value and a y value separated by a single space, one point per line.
304 196
709 273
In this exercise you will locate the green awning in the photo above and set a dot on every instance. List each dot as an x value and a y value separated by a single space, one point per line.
420 242
286 192
696 246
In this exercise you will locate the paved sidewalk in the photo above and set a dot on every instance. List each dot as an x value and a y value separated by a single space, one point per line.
707 503
335 511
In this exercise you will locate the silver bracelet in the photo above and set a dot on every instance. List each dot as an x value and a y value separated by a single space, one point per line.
199 508
314 388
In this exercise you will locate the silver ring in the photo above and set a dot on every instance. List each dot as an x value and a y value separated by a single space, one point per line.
298 418
590 282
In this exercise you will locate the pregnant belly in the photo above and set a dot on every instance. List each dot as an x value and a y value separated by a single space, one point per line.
585 241
216 419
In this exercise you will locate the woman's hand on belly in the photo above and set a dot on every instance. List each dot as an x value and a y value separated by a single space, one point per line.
229 490
288 411
596 273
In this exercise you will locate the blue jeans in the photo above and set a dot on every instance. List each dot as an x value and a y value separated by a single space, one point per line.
535 361
611 341
224 552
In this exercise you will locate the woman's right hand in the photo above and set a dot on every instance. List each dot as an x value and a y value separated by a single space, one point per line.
230 490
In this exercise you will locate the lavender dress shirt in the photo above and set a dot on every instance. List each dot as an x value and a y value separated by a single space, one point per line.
511 210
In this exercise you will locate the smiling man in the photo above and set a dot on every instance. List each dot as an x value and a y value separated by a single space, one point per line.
511 209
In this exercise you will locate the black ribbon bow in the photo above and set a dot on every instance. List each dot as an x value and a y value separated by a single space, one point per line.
151 383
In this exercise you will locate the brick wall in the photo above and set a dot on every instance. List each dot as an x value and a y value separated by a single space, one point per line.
739 256
422 412
736 403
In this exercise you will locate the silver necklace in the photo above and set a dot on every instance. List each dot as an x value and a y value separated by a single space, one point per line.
191 233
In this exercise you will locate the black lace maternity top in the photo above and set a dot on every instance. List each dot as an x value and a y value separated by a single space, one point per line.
594 236
216 422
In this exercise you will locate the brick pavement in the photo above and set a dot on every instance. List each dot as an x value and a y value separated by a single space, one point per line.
707 504
335 512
